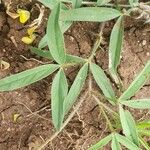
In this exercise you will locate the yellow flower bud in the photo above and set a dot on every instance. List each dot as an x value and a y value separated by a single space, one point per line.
24 15
28 39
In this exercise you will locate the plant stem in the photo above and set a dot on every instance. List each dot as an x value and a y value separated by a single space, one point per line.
98 42
101 105
66 122
105 106
107 119
145 145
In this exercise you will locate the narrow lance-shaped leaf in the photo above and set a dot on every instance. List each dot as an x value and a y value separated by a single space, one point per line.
75 88
126 142
76 3
137 83
26 77
102 2
94 14
58 93
47 54
144 132
74 59
42 53
103 82
64 25
138 104
128 125
55 36
101 143
43 42
115 144
115 47
51 3
144 124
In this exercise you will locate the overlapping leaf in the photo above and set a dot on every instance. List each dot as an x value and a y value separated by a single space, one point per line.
55 36
137 83
103 82
47 54
115 144
58 93
64 25
94 14
115 46
128 125
75 88
26 77
126 142
101 143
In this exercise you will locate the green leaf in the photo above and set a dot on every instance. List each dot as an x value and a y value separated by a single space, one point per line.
138 104
47 54
42 53
144 132
115 144
48 3
137 83
103 82
101 143
102 2
74 59
43 42
76 3
134 3
126 142
64 25
51 3
58 93
144 124
94 14
128 125
115 47
26 77
55 36
75 88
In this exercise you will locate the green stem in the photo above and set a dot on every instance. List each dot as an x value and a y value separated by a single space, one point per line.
97 43
107 119
145 145
105 106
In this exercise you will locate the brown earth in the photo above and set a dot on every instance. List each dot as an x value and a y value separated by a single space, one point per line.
32 103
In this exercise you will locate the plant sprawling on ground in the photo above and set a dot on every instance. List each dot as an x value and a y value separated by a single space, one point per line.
63 14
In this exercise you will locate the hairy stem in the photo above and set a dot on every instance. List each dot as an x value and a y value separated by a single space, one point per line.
66 122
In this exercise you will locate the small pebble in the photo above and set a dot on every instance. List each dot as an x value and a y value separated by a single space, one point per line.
144 42
148 53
